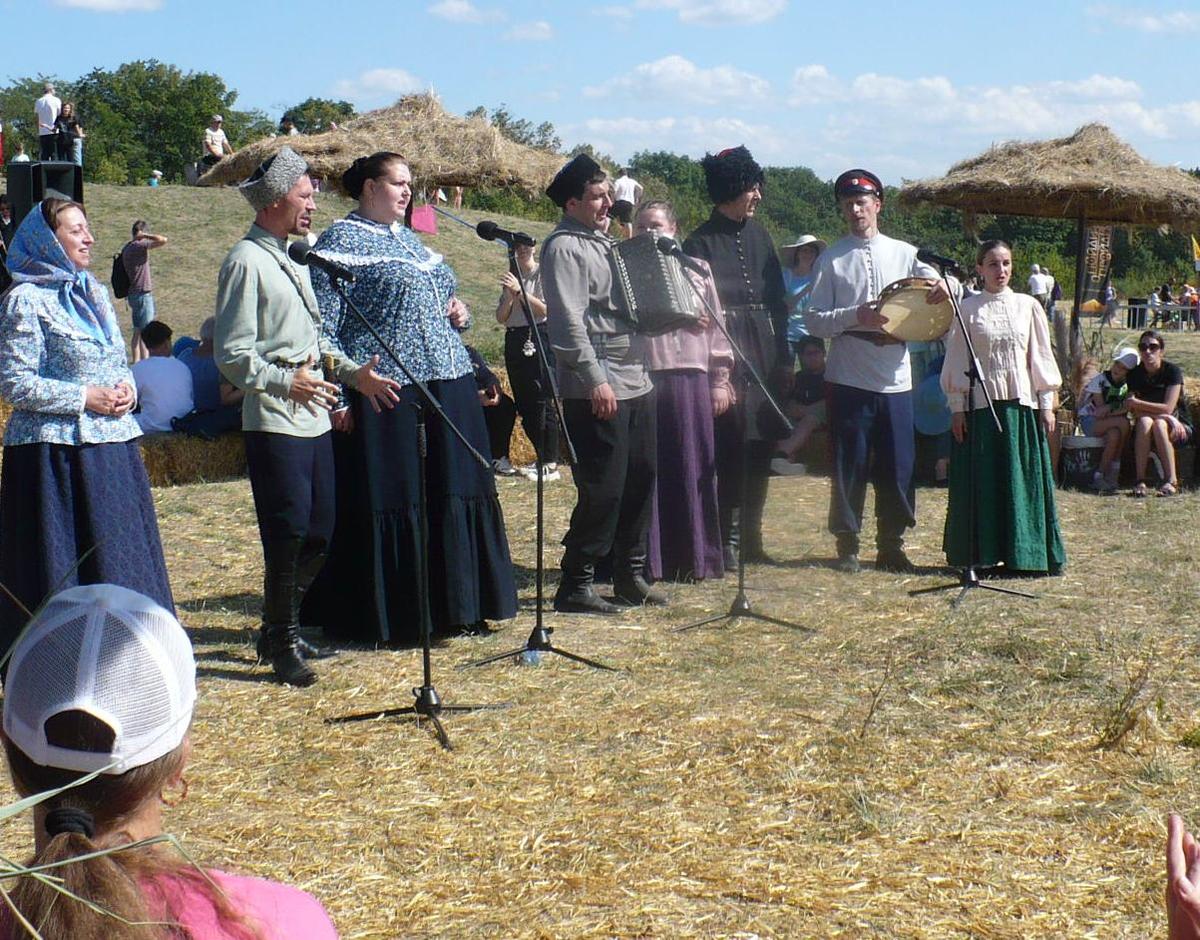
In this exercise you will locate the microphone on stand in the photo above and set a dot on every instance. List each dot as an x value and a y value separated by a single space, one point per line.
940 262
668 246
302 253
490 231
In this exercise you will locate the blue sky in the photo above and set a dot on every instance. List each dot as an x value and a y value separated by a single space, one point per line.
905 89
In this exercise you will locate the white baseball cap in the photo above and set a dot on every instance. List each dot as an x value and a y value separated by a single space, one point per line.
109 652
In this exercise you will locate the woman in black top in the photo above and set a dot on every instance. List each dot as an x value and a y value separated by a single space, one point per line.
1160 416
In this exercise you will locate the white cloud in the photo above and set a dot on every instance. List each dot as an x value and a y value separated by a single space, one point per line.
377 86
537 31
1174 22
463 11
689 135
675 78
724 13
112 6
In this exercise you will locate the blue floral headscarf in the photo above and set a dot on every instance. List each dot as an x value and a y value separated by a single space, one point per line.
37 257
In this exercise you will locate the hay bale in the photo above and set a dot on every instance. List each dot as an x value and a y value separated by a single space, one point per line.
176 459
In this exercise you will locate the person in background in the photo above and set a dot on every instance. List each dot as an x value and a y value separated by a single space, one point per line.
690 368
136 258
114 740
627 195
218 404
47 109
521 361
805 407
7 226
70 135
216 144
1160 416
155 178
798 259
1103 414
499 413
1015 520
164 383
1039 286
19 154
75 503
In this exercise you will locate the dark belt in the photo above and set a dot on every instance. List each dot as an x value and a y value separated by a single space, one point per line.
747 308
877 339
293 366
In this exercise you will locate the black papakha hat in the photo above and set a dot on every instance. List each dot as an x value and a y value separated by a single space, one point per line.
857 181
730 173
569 182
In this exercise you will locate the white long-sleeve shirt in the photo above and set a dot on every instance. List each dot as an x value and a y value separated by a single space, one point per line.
851 272
1012 342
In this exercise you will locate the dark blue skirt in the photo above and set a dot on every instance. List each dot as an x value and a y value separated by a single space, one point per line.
75 515
369 588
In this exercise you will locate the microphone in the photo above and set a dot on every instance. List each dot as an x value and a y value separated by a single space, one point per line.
490 231
940 262
302 253
668 246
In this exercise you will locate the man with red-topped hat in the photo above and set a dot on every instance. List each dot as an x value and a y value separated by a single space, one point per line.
867 375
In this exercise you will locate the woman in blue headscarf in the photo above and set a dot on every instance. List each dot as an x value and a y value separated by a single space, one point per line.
75 505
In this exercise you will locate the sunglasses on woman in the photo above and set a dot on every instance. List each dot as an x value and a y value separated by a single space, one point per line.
1147 347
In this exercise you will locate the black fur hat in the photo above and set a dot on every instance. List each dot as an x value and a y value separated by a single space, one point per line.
571 180
730 173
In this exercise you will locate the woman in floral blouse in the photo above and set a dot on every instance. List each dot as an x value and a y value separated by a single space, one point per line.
75 504
369 586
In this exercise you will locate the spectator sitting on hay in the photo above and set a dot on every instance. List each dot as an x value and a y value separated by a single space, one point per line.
1103 414
164 383
1160 417
218 404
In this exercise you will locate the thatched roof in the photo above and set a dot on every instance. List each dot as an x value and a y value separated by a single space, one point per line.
1092 172
441 149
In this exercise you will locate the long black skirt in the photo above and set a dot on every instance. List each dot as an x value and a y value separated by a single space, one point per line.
75 515
369 589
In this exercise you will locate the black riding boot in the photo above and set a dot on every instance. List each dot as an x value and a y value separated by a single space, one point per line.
629 580
752 516
577 594
281 605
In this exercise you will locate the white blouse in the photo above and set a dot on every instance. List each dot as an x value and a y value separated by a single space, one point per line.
1012 341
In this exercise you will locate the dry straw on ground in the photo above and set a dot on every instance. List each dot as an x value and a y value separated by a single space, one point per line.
441 149
1093 172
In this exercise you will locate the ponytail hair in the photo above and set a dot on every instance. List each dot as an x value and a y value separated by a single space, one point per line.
368 168
124 895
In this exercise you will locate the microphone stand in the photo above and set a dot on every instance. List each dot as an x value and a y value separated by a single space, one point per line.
427 703
741 604
968 577
547 388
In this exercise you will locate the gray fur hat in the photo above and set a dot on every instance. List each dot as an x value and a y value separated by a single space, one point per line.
274 178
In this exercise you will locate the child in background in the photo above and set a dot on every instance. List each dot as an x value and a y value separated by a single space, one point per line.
806 406
1103 414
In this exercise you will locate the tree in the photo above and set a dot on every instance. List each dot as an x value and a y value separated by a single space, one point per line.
148 115
314 115
541 136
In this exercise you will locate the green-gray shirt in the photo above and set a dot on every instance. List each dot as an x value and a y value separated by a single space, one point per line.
267 316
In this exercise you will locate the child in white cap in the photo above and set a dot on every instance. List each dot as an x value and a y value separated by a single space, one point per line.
1102 413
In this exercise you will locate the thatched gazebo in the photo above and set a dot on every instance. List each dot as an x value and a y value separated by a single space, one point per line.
1091 176
441 149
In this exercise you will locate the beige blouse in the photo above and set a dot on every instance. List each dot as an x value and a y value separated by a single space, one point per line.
1012 341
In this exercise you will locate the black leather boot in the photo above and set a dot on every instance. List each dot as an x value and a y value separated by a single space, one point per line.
577 594
630 584
281 605
752 518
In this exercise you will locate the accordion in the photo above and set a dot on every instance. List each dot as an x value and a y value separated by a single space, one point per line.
650 289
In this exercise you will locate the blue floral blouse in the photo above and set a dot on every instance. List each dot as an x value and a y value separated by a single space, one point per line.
403 288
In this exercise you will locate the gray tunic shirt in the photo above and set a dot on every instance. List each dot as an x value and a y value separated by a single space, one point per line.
267 317
591 342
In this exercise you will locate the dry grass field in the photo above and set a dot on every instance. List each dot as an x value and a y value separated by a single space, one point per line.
893 768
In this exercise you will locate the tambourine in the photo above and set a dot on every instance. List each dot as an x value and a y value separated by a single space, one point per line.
909 316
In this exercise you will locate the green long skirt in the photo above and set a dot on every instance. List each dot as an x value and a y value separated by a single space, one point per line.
1017 523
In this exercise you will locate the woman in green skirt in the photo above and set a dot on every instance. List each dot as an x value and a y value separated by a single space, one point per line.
1015 523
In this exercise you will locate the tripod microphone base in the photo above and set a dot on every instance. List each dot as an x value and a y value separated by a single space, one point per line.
738 609
427 704
539 642
968 579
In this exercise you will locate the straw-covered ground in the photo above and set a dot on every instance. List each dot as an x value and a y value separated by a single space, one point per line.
890 767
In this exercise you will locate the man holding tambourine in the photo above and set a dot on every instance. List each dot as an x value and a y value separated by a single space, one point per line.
869 382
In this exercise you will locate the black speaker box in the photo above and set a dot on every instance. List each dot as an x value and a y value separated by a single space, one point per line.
30 183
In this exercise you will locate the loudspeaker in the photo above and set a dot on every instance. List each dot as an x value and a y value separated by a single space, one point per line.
30 183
